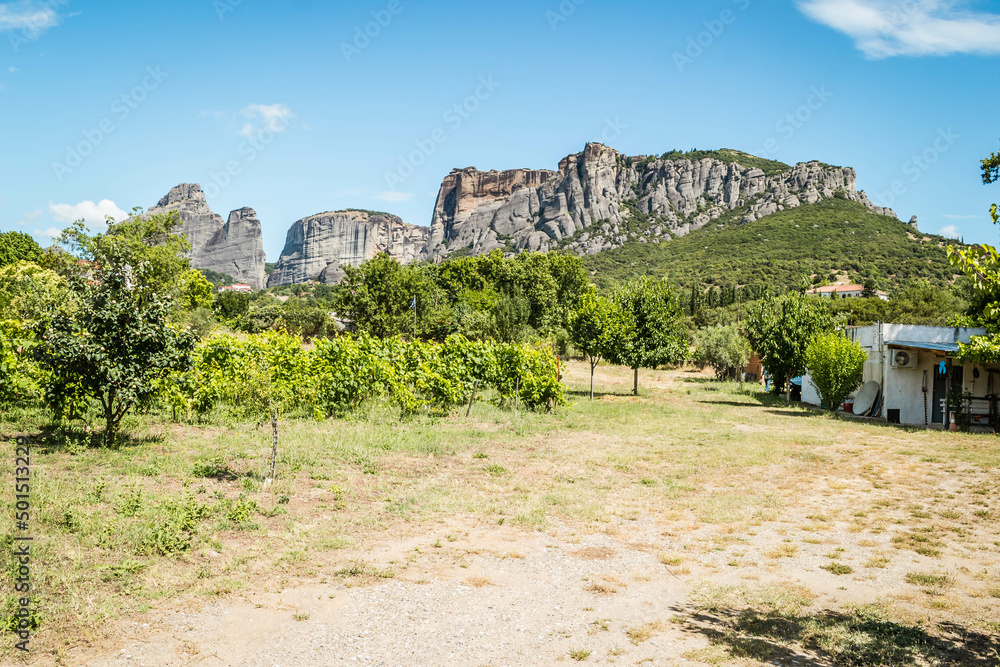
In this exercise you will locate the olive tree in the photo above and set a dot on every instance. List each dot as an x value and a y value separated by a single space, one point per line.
723 348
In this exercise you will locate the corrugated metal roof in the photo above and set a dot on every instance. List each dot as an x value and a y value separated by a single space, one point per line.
937 347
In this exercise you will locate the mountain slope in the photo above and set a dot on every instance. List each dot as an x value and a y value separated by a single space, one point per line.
833 236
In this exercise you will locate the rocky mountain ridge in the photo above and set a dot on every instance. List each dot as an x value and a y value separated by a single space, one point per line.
234 247
601 199
597 200
320 245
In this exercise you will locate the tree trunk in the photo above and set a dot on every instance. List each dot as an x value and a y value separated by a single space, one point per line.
109 421
592 367
788 392
635 383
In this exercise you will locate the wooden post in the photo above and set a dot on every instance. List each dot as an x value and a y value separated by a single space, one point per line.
635 382
517 394
274 442
472 399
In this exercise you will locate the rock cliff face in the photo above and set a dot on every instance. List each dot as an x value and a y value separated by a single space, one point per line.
234 247
318 246
600 199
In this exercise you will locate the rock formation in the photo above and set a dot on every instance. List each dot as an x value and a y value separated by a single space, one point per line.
318 246
234 247
915 224
600 199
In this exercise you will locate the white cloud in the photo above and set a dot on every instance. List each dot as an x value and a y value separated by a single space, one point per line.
951 232
12 70
274 117
962 217
31 216
886 28
51 232
91 213
395 197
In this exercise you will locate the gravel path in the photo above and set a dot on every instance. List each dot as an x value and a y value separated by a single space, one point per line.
522 599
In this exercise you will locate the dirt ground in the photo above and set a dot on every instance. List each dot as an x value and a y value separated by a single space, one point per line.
770 563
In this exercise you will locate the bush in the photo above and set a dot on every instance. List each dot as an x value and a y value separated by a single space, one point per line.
724 349
835 365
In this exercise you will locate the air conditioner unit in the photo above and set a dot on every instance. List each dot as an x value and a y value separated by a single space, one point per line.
904 358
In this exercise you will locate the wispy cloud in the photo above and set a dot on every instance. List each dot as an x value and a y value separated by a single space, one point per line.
93 214
886 28
962 217
50 233
274 117
395 197
951 232
31 216
28 16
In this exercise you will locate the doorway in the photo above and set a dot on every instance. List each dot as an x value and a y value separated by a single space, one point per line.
940 390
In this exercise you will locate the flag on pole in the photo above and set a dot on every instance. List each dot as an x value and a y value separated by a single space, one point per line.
413 306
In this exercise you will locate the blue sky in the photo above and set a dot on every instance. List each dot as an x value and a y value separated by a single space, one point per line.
292 109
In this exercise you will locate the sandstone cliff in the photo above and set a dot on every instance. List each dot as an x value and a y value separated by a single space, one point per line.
234 247
318 246
600 199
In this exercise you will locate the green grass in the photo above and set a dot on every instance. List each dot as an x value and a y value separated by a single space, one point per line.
119 541
782 249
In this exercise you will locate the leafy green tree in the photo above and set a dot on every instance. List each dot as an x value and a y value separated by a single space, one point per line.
836 365
18 247
117 344
379 295
596 327
231 306
723 348
981 264
195 291
654 333
780 330
925 303
153 241
27 291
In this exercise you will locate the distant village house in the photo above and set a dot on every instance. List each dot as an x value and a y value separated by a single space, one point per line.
844 291
236 287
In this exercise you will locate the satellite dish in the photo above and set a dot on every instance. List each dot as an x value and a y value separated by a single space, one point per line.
866 398
902 358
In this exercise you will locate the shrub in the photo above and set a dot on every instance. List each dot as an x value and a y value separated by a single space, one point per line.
835 365
724 349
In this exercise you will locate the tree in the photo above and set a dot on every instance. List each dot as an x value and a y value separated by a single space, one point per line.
981 263
780 330
18 247
153 241
836 365
595 329
924 303
723 348
232 305
378 297
653 333
116 344
195 291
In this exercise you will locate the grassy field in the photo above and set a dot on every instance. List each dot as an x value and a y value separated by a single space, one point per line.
799 534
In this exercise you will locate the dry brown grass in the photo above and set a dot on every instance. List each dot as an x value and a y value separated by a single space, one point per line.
720 470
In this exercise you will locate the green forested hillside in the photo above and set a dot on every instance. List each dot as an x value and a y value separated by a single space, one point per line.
815 241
